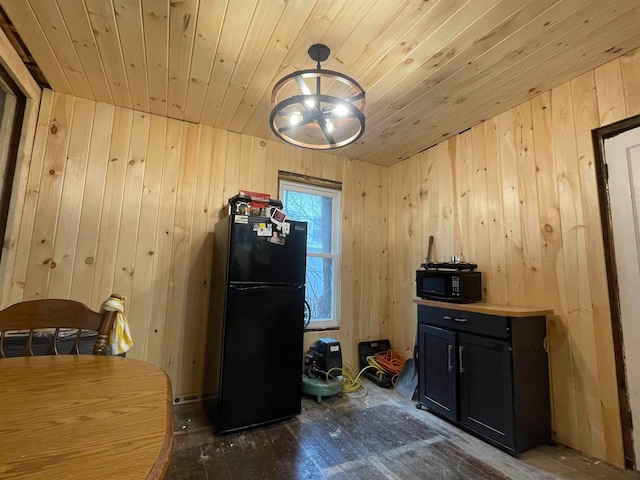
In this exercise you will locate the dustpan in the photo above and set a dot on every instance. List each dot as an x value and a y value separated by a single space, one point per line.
407 381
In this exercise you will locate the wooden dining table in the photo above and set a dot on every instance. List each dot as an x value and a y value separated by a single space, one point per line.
84 416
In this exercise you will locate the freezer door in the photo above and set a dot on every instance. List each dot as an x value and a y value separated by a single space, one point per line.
261 371
254 259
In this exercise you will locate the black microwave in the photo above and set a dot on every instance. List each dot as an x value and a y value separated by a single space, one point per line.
457 286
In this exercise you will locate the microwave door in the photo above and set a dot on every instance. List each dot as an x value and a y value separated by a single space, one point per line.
434 285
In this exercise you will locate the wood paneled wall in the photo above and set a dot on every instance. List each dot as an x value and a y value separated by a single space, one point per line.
123 201
517 194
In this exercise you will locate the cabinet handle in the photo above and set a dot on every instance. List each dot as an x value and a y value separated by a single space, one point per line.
460 350
455 319
450 357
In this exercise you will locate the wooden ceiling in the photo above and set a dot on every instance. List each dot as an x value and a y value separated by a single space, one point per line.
431 68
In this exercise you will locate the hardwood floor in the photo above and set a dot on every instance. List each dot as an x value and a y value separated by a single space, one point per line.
379 436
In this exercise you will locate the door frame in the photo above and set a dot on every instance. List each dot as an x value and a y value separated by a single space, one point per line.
598 136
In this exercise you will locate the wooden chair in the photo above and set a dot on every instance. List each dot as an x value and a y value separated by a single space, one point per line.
53 316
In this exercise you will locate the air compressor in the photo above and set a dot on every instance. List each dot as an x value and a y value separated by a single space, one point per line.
323 369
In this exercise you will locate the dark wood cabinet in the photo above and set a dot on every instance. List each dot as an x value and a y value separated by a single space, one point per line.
437 384
485 368
486 387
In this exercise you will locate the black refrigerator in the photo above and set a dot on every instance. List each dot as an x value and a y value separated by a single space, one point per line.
253 373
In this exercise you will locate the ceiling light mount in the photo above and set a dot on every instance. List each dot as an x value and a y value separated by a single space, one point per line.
317 108
319 53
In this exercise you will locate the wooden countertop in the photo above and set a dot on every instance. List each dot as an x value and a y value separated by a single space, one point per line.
78 417
491 309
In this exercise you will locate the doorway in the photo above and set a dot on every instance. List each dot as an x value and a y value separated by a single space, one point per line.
12 110
617 149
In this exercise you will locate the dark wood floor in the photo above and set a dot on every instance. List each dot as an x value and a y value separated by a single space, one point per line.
379 436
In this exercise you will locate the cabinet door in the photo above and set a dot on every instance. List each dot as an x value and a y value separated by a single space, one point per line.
486 387
438 370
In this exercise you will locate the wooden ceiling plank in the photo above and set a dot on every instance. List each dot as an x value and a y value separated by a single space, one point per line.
337 35
550 20
234 31
459 54
555 57
439 99
374 23
324 14
415 39
54 28
413 87
183 17
470 22
288 29
534 52
623 39
261 30
129 21
379 29
211 15
330 24
77 23
103 23
24 20
155 21
381 40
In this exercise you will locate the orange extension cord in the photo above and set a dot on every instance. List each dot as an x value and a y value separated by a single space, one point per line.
389 362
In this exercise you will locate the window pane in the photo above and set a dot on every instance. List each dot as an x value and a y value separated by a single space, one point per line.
317 211
318 288
320 207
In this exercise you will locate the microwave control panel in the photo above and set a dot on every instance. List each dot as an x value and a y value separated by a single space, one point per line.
455 286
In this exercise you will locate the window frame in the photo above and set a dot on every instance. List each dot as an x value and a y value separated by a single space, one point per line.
305 186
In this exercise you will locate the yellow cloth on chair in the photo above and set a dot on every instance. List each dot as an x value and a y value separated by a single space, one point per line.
120 338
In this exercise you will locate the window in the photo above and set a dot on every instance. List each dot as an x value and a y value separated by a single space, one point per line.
321 208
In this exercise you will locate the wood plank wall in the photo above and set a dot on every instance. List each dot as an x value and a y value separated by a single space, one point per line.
122 201
517 195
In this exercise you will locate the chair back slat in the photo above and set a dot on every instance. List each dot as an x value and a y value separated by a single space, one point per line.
53 346
75 350
28 348
54 316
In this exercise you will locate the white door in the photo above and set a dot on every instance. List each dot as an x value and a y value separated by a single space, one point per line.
622 154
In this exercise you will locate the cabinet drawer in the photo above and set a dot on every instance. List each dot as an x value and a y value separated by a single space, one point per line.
489 325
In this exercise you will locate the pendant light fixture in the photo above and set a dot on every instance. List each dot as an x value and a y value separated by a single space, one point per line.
316 108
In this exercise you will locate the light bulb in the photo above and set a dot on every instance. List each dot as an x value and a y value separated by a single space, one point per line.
329 126
341 110
310 103
295 119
